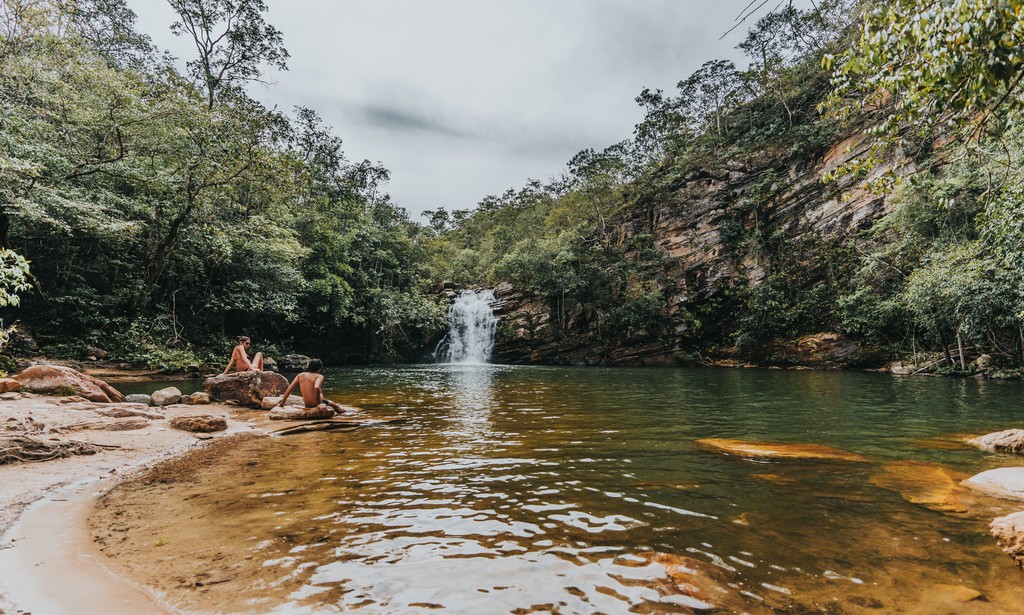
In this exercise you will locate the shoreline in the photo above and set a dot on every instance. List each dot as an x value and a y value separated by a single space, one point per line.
48 560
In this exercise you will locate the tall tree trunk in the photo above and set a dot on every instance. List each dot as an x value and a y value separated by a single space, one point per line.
960 347
945 349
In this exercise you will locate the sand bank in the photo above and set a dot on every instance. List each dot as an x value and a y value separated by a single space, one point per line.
48 562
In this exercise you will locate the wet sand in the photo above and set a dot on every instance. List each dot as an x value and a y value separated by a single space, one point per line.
48 561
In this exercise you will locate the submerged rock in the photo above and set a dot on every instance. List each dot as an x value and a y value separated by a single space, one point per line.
203 423
1009 533
1009 441
932 486
778 450
959 593
166 396
694 584
246 388
1007 483
58 379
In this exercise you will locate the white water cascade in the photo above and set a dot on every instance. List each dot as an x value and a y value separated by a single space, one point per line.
471 325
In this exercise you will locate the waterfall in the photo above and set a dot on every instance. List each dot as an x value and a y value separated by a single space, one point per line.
471 324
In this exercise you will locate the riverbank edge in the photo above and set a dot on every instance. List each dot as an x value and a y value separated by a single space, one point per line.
80 480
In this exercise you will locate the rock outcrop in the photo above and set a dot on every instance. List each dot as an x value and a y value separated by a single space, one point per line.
199 423
246 388
1009 533
49 379
707 224
1009 441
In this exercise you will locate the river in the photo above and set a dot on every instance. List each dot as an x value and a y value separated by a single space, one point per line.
582 490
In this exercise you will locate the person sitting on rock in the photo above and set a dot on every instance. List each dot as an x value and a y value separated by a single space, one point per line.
311 383
240 360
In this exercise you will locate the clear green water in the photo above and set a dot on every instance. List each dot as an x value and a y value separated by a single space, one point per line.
526 488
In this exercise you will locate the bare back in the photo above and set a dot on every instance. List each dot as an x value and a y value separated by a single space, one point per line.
311 386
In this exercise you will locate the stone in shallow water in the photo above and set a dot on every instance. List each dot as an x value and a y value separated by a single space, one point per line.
1009 441
959 593
305 414
1009 533
1007 483
928 485
778 450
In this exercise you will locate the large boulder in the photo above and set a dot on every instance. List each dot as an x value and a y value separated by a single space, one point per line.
294 363
246 388
139 398
1009 532
166 396
1007 483
62 380
1009 441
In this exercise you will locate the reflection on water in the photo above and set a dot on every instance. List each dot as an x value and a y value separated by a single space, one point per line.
580 491
469 424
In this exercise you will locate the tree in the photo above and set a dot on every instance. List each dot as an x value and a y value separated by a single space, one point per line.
232 41
706 93
949 68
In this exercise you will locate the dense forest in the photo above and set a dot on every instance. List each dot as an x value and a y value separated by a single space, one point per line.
162 212
152 212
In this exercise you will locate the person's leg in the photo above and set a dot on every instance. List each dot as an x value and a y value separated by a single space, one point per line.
336 407
257 362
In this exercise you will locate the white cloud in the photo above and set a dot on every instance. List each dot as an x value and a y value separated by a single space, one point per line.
464 98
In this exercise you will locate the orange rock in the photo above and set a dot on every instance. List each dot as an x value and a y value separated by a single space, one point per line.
959 593
53 378
778 450
932 486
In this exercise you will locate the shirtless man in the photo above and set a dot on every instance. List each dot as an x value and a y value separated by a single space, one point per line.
311 383
240 360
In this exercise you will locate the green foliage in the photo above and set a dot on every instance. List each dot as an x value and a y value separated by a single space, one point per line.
800 292
145 196
949 67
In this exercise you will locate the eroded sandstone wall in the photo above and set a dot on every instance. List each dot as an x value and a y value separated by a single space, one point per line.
701 225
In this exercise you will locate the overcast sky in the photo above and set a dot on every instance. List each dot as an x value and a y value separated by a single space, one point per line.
464 98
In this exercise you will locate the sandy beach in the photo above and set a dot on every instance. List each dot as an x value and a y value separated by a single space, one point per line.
49 560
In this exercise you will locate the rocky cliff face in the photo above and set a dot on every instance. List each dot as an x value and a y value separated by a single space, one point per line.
703 226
